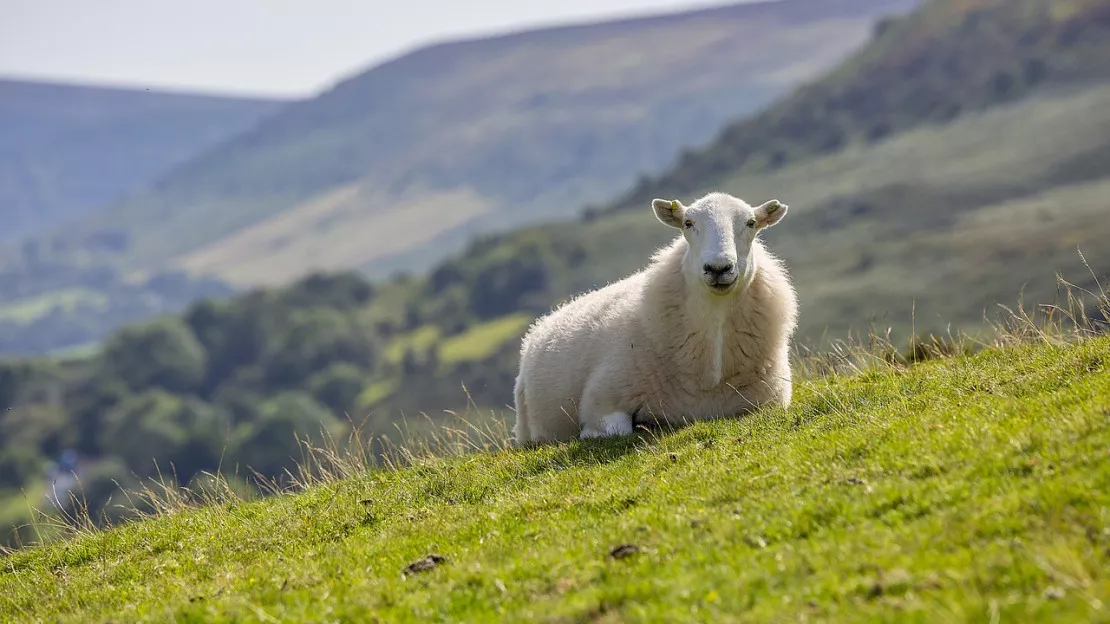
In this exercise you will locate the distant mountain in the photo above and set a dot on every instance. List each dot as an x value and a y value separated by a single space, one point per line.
397 166
66 149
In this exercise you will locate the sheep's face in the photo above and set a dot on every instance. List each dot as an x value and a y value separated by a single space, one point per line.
719 230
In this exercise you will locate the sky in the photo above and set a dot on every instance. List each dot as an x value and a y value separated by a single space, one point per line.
279 48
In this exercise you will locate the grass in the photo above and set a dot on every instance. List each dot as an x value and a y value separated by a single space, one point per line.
419 340
967 487
375 392
483 339
28 309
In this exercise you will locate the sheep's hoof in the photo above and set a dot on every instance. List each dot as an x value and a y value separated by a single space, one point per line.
615 424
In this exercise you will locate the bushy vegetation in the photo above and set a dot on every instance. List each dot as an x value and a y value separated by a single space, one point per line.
233 382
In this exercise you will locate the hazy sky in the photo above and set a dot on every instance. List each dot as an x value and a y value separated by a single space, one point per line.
281 47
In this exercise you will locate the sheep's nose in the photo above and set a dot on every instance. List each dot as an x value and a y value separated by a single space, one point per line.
719 268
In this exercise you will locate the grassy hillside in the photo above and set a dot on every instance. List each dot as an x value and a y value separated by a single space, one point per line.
945 59
505 131
941 222
970 488
936 219
67 149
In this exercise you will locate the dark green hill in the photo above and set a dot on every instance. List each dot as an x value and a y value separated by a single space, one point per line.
66 149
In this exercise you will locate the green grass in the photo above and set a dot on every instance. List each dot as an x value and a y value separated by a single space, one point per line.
419 340
31 308
972 488
483 339
375 392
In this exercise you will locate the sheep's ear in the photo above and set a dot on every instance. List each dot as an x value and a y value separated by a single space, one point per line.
670 211
770 213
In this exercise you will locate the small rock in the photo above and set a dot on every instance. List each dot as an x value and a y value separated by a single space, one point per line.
425 564
756 541
859 481
624 550
1054 593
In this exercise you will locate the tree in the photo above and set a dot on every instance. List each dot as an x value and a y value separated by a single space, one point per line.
342 290
164 354
270 444
158 427
313 340
338 386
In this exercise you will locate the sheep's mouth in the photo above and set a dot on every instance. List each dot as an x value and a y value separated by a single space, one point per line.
721 287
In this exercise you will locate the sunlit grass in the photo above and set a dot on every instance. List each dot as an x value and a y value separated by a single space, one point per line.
968 487
481 340
31 308
418 340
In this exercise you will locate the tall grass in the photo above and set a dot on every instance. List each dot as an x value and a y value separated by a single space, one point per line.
1075 314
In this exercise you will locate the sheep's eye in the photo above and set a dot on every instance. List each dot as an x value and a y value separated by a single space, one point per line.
751 223
689 224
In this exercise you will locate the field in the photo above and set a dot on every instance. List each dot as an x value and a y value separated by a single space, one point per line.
964 488
30 308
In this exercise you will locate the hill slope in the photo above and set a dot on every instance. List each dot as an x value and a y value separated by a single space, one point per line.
504 131
938 217
947 58
973 487
66 149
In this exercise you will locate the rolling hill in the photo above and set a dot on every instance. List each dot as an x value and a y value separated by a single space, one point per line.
395 167
68 149
934 220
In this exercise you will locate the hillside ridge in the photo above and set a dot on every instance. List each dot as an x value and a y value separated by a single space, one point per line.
68 148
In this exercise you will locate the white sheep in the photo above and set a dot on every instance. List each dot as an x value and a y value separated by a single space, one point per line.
702 332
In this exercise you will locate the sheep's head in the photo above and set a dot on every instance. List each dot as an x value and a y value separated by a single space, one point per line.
720 231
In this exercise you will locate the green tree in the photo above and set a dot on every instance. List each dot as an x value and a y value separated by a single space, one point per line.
164 354
270 444
103 487
156 426
315 339
18 464
338 386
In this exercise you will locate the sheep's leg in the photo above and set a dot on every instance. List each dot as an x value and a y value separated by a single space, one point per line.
612 424
522 431
602 412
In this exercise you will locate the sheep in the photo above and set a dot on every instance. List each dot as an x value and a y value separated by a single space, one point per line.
702 332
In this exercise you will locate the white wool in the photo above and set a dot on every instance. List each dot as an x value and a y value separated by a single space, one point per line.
658 345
